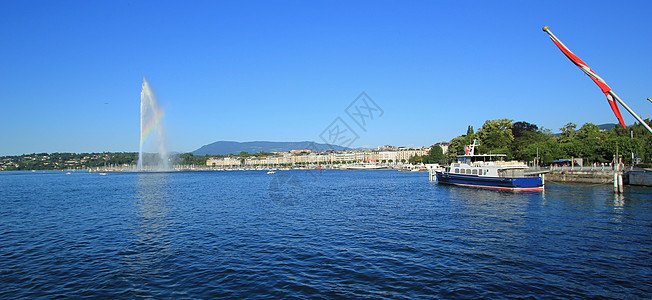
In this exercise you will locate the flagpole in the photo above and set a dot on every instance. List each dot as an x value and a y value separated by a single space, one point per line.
611 93
630 111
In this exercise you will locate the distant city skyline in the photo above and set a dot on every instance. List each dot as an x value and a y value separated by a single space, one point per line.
421 71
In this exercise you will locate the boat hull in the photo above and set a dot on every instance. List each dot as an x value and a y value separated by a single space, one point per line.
498 183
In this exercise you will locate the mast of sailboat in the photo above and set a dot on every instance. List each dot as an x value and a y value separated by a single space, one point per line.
599 81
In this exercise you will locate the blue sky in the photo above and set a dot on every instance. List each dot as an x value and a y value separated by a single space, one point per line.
71 72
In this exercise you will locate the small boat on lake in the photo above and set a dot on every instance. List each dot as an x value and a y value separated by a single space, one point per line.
488 171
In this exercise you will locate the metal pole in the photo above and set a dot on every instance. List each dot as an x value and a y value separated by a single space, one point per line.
592 74
630 111
616 159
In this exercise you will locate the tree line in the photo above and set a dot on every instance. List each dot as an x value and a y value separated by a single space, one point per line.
64 161
71 161
523 141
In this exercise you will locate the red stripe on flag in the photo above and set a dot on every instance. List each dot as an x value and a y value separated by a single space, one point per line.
603 86
614 107
581 64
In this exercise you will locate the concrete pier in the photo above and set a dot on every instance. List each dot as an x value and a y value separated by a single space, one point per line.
582 175
602 175
640 177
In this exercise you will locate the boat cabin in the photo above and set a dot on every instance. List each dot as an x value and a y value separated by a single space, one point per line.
491 165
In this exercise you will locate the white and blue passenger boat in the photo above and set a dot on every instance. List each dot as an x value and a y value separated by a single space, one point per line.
488 171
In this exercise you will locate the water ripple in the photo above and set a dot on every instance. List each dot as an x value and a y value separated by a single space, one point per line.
333 234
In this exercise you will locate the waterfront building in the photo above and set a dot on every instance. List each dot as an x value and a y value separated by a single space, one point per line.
389 157
388 154
404 153
345 156
444 146
359 156
299 159
223 162
371 156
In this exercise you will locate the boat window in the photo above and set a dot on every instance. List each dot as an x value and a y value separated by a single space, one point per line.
475 172
468 171
457 170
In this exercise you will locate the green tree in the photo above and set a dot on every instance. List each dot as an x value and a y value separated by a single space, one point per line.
566 132
456 145
416 159
495 136
624 146
455 148
470 134
589 141
190 159
548 150
637 131
435 155
526 134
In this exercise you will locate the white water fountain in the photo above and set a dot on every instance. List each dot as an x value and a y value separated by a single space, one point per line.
153 154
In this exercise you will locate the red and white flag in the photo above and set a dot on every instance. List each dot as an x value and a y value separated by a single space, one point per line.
599 81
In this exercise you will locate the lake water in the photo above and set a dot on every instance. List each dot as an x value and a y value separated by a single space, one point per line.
316 234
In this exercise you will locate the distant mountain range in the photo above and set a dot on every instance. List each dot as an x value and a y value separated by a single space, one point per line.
229 147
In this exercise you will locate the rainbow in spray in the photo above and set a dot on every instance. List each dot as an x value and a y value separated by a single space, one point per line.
151 126
152 154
